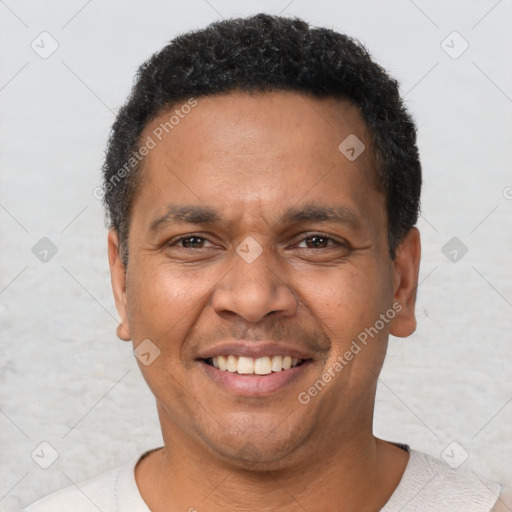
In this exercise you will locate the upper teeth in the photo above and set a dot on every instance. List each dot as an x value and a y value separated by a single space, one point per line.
259 366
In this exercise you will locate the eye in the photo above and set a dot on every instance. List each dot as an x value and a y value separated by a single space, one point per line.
189 242
313 241
319 241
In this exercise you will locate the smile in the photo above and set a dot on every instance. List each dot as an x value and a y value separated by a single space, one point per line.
253 366
254 377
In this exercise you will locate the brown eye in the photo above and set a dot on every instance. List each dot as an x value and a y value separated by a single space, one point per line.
189 242
318 242
192 241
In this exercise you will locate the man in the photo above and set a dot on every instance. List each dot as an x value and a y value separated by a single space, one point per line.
262 184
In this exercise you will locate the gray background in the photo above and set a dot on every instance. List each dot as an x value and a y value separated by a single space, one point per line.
65 377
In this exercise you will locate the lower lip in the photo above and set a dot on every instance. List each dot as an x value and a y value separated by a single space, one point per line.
255 385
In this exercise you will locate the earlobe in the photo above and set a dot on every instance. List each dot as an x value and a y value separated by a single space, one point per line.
118 280
123 331
405 283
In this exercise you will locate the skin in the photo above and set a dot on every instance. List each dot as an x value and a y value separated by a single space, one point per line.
251 157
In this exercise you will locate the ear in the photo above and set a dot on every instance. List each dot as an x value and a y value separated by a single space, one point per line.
118 279
405 283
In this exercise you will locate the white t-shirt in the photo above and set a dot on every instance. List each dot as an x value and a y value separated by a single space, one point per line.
427 485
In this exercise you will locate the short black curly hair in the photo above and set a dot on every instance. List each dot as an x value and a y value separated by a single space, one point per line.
265 53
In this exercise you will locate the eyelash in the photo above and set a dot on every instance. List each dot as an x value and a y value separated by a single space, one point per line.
309 237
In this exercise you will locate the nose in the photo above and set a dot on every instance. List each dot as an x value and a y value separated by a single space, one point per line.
254 288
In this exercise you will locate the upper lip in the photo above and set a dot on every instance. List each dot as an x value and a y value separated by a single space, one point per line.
253 349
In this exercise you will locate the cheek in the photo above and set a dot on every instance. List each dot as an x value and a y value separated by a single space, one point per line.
163 307
163 302
345 296
348 303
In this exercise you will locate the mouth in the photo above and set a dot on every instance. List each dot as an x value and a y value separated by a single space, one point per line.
254 376
254 366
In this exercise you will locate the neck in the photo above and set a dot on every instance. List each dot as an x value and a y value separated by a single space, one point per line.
357 472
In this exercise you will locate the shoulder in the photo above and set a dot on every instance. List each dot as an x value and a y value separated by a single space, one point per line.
113 490
87 496
429 483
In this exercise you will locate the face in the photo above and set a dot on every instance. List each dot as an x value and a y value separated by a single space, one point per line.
253 236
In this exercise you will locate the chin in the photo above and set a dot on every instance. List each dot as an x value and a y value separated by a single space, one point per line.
271 449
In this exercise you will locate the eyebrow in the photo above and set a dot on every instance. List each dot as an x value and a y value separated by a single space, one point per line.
192 214
185 214
318 213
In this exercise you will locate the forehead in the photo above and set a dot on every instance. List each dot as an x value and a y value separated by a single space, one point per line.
240 149
223 124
